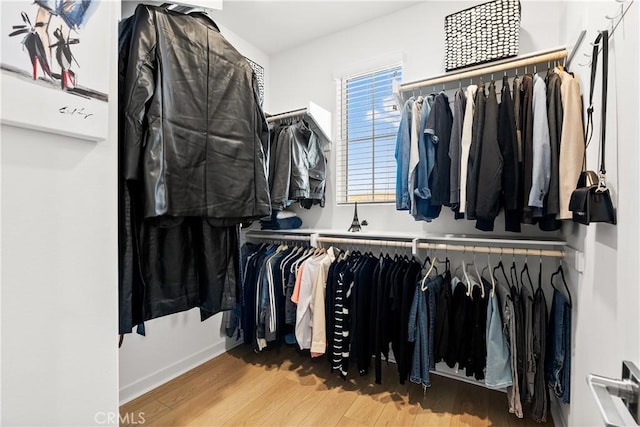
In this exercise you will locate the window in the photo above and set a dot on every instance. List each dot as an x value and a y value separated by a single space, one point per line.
367 131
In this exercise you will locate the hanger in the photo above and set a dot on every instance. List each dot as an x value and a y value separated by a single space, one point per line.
490 269
513 272
564 282
500 267
296 250
426 276
540 270
305 255
188 10
525 269
478 276
456 271
290 255
427 260
465 272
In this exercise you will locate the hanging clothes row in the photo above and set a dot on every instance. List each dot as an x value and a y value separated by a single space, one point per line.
495 328
297 165
360 309
368 304
523 154
282 287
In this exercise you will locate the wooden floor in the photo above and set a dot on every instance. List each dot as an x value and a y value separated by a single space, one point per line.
285 387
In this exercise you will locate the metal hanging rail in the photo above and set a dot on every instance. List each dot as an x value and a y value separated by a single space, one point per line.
493 250
531 59
365 242
472 247
279 237
570 256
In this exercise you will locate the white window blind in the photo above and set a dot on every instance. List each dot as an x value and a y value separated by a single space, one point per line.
367 128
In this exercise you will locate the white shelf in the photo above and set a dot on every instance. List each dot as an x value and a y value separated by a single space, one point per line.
319 118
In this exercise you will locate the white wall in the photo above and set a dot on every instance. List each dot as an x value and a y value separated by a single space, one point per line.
176 343
59 274
606 295
308 72
606 315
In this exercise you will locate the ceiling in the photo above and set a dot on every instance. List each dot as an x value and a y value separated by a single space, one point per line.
274 26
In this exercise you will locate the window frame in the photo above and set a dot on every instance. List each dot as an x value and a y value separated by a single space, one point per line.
342 123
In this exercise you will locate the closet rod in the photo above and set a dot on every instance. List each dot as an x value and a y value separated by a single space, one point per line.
286 115
445 247
278 237
365 242
492 250
530 59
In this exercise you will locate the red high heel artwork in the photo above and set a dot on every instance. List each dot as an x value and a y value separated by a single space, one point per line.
65 59
33 44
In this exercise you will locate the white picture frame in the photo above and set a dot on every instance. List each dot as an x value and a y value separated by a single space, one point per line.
69 94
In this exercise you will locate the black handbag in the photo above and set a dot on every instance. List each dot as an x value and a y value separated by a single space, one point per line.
591 200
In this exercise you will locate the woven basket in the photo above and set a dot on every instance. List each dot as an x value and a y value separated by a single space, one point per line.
482 33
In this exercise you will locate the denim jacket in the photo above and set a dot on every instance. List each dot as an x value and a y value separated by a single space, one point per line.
427 152
403 145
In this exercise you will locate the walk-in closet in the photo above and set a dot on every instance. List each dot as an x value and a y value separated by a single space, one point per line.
230 212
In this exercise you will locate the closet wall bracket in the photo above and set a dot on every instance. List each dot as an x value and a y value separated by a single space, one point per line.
574 259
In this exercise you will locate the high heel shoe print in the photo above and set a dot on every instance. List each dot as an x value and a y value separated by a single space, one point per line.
33 45
65 59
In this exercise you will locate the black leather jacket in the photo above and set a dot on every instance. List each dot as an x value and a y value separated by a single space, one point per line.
194 132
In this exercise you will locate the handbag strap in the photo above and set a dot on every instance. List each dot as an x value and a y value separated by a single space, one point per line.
603 37
605 78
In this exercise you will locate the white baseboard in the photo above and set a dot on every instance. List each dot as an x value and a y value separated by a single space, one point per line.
556 411
166 374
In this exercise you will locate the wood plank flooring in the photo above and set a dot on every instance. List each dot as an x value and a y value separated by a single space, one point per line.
285 387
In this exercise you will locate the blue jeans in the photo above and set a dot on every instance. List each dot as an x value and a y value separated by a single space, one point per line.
281 224
422 332
498 372
418 334
434 288
558 358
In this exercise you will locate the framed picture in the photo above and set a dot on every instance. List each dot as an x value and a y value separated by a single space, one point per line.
55 65
259 70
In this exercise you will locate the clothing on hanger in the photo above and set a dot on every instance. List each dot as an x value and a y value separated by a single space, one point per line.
181 206
498 372
540 399
511 172
558 357
490 167
475 151
455 149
